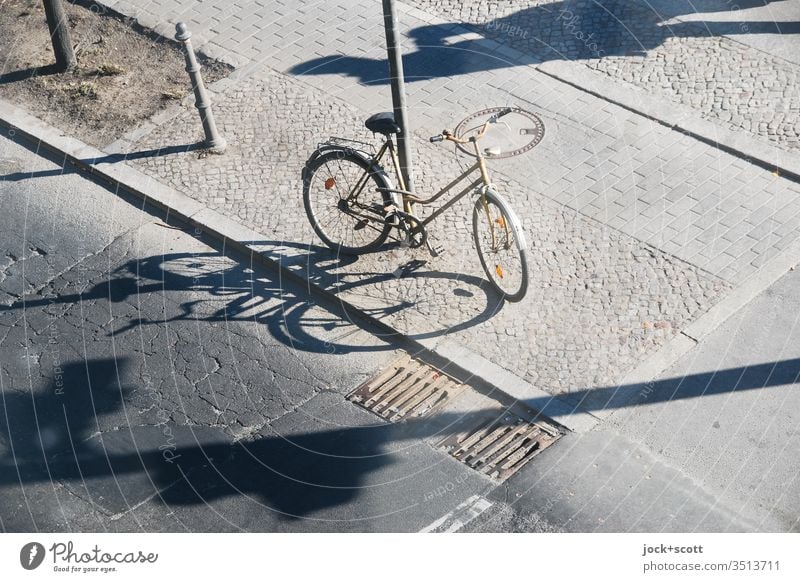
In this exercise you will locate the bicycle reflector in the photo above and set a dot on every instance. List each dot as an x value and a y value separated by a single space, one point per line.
330 183
499 270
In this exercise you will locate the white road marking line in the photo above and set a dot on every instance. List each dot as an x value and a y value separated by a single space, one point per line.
461 515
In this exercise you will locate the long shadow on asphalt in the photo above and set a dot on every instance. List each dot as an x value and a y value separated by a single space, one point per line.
725 381
53 436
572 29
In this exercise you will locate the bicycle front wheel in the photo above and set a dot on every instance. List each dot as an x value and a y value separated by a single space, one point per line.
343 204
501 246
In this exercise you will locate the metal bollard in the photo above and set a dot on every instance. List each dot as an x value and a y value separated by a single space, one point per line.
214 141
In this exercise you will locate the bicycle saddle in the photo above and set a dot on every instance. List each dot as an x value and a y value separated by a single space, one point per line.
382 123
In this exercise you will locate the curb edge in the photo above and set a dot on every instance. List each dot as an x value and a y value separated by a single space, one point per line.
233 235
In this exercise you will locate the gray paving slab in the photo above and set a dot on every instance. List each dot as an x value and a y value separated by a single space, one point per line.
725 413
606 482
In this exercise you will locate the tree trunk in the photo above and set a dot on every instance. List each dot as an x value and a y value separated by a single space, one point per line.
59 34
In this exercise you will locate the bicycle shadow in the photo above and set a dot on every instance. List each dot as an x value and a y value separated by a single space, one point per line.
225 290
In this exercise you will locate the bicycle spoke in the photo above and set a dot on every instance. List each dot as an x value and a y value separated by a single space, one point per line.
499 251
342 209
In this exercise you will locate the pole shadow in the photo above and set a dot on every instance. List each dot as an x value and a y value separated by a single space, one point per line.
296 473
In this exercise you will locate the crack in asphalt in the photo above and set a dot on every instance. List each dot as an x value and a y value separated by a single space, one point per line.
36 290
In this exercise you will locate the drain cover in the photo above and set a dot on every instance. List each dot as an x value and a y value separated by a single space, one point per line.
500 447
407 388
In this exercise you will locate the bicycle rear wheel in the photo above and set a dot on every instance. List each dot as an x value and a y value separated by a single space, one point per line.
500 243
343 204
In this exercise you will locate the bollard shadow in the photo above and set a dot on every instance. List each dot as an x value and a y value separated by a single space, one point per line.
143 154
71 168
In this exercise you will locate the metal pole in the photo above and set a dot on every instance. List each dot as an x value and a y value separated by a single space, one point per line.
214 141
398 92
59 35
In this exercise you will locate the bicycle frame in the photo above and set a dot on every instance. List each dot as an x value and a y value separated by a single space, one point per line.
409 198
358 168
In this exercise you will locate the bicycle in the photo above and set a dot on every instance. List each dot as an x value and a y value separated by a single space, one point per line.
351 218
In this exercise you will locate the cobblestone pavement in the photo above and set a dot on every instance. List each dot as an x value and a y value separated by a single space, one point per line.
636 229
688 62
599 300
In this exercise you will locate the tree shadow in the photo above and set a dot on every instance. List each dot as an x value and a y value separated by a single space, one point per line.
23 74
571 30
37 426
60 434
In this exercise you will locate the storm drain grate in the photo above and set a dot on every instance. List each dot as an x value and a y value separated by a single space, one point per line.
407 388
500 447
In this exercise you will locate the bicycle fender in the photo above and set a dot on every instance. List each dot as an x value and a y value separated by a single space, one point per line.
332 147
366 158
515 221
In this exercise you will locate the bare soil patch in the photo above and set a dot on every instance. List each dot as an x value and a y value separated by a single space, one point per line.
124 74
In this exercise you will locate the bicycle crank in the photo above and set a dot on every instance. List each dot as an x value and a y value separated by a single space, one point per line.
411 227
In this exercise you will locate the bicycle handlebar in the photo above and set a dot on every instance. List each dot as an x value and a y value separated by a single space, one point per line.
446 135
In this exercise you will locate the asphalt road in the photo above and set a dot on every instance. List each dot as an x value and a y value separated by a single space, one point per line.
151 383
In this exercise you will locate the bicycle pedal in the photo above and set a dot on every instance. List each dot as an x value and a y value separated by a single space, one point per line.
361 224
436 251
